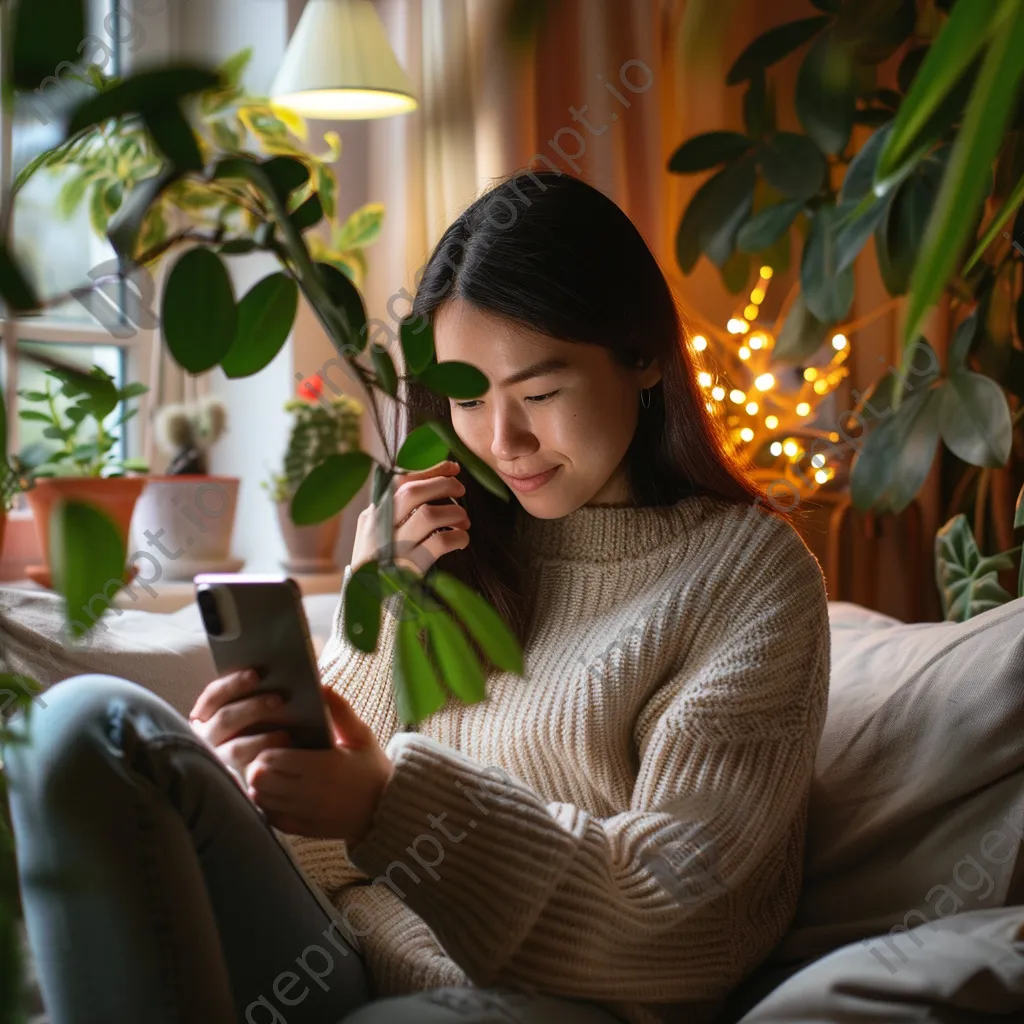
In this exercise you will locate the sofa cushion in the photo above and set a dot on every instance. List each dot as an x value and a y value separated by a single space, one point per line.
917 805
166 652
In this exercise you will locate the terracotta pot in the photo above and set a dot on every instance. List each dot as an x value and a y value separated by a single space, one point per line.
185 524
115 495
310 548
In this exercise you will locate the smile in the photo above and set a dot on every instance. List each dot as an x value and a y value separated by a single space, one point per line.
529 483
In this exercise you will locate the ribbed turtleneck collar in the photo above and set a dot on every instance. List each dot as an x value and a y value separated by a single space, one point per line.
610 533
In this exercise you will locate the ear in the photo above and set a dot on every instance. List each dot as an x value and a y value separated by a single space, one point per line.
651 374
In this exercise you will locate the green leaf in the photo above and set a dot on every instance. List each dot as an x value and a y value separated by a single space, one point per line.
968 584
309 214
362 227
145 90
87 556
173 136
716 212
703 152
15 289
286 174
959 41
967 334
975 419
132 391
858 182
793 164
327 189
826 96
349 303
454 379
1018 515
873 30
418 693
969 170
124 227
199 316
758 107
483 623
460 670
418 344
330 486
421 450
896 458
854 233
72 193
233 68
801 336
362 608
1006 211
387 377
772 46
898 235
827 291
265 318
33 416
481 472
46 35
736 272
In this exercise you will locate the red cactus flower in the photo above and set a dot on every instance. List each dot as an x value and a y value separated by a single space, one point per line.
311 388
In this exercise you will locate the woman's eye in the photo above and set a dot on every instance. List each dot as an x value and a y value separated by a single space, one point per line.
466 405
541 398
530 398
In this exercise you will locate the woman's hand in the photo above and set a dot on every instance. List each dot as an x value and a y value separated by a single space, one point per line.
327 794
417 541
235 722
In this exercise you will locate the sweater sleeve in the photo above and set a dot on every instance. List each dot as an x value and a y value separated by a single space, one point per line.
547 895
365 681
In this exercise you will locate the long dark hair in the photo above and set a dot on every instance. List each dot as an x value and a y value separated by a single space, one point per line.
549 251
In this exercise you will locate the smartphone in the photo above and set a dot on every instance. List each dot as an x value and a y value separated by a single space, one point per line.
258 622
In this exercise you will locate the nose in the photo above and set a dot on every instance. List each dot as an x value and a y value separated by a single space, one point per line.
511 435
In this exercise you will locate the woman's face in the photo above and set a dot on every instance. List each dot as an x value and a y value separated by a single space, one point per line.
562 409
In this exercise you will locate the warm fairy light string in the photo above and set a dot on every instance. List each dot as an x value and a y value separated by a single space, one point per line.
768 425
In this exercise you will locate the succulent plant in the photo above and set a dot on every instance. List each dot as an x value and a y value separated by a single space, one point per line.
187 432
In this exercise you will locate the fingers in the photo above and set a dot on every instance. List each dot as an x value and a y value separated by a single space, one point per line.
426 519
241 752
239 716
222 691
415 493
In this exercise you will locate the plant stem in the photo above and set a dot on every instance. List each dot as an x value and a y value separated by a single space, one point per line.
980 507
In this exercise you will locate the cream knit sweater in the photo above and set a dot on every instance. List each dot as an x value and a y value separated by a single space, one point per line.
625 823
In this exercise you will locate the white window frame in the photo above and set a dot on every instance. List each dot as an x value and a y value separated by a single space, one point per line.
140 351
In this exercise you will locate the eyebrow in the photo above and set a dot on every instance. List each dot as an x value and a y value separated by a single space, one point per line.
545 366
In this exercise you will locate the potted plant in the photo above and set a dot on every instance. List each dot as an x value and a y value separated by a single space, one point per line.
320 428
83 467
190 511
8 477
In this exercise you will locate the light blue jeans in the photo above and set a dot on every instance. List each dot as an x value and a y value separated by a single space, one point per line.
154 890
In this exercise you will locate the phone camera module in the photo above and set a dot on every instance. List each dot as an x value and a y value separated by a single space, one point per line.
210 613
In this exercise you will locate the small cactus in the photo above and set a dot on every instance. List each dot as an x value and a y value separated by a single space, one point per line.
188 432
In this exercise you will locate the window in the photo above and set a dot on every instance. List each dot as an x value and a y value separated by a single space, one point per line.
62 254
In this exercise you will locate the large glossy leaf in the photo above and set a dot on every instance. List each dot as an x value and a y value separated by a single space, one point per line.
362 227
87 556
801 336
17 292
873 30
959 41
383 364
766 227
47 33
482 622
349 303
968 584
715 214
124 227
286 174
460 670
417 339
330 486
976 419
859 179
772 46
826 96
877 402
827 291
964 340
265 318
481 472
894 462
898 235
421 449
309 214
146 90
418 693
703 152
793 164
173 135
454 379
969 170
199 316
362 608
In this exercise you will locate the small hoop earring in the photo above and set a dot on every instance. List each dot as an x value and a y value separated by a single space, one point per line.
645 398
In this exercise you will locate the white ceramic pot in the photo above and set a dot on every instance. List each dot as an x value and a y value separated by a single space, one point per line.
184 526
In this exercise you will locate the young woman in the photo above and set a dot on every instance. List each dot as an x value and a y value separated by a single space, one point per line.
617 835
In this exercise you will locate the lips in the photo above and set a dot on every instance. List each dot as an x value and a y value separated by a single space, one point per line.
529 483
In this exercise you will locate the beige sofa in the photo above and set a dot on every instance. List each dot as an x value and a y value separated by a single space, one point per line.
913 900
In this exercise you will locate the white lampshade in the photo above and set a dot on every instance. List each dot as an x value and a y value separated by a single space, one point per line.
339 64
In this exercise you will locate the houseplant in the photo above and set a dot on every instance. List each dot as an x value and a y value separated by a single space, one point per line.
8 478
321 428
190 509
82 466
908 161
